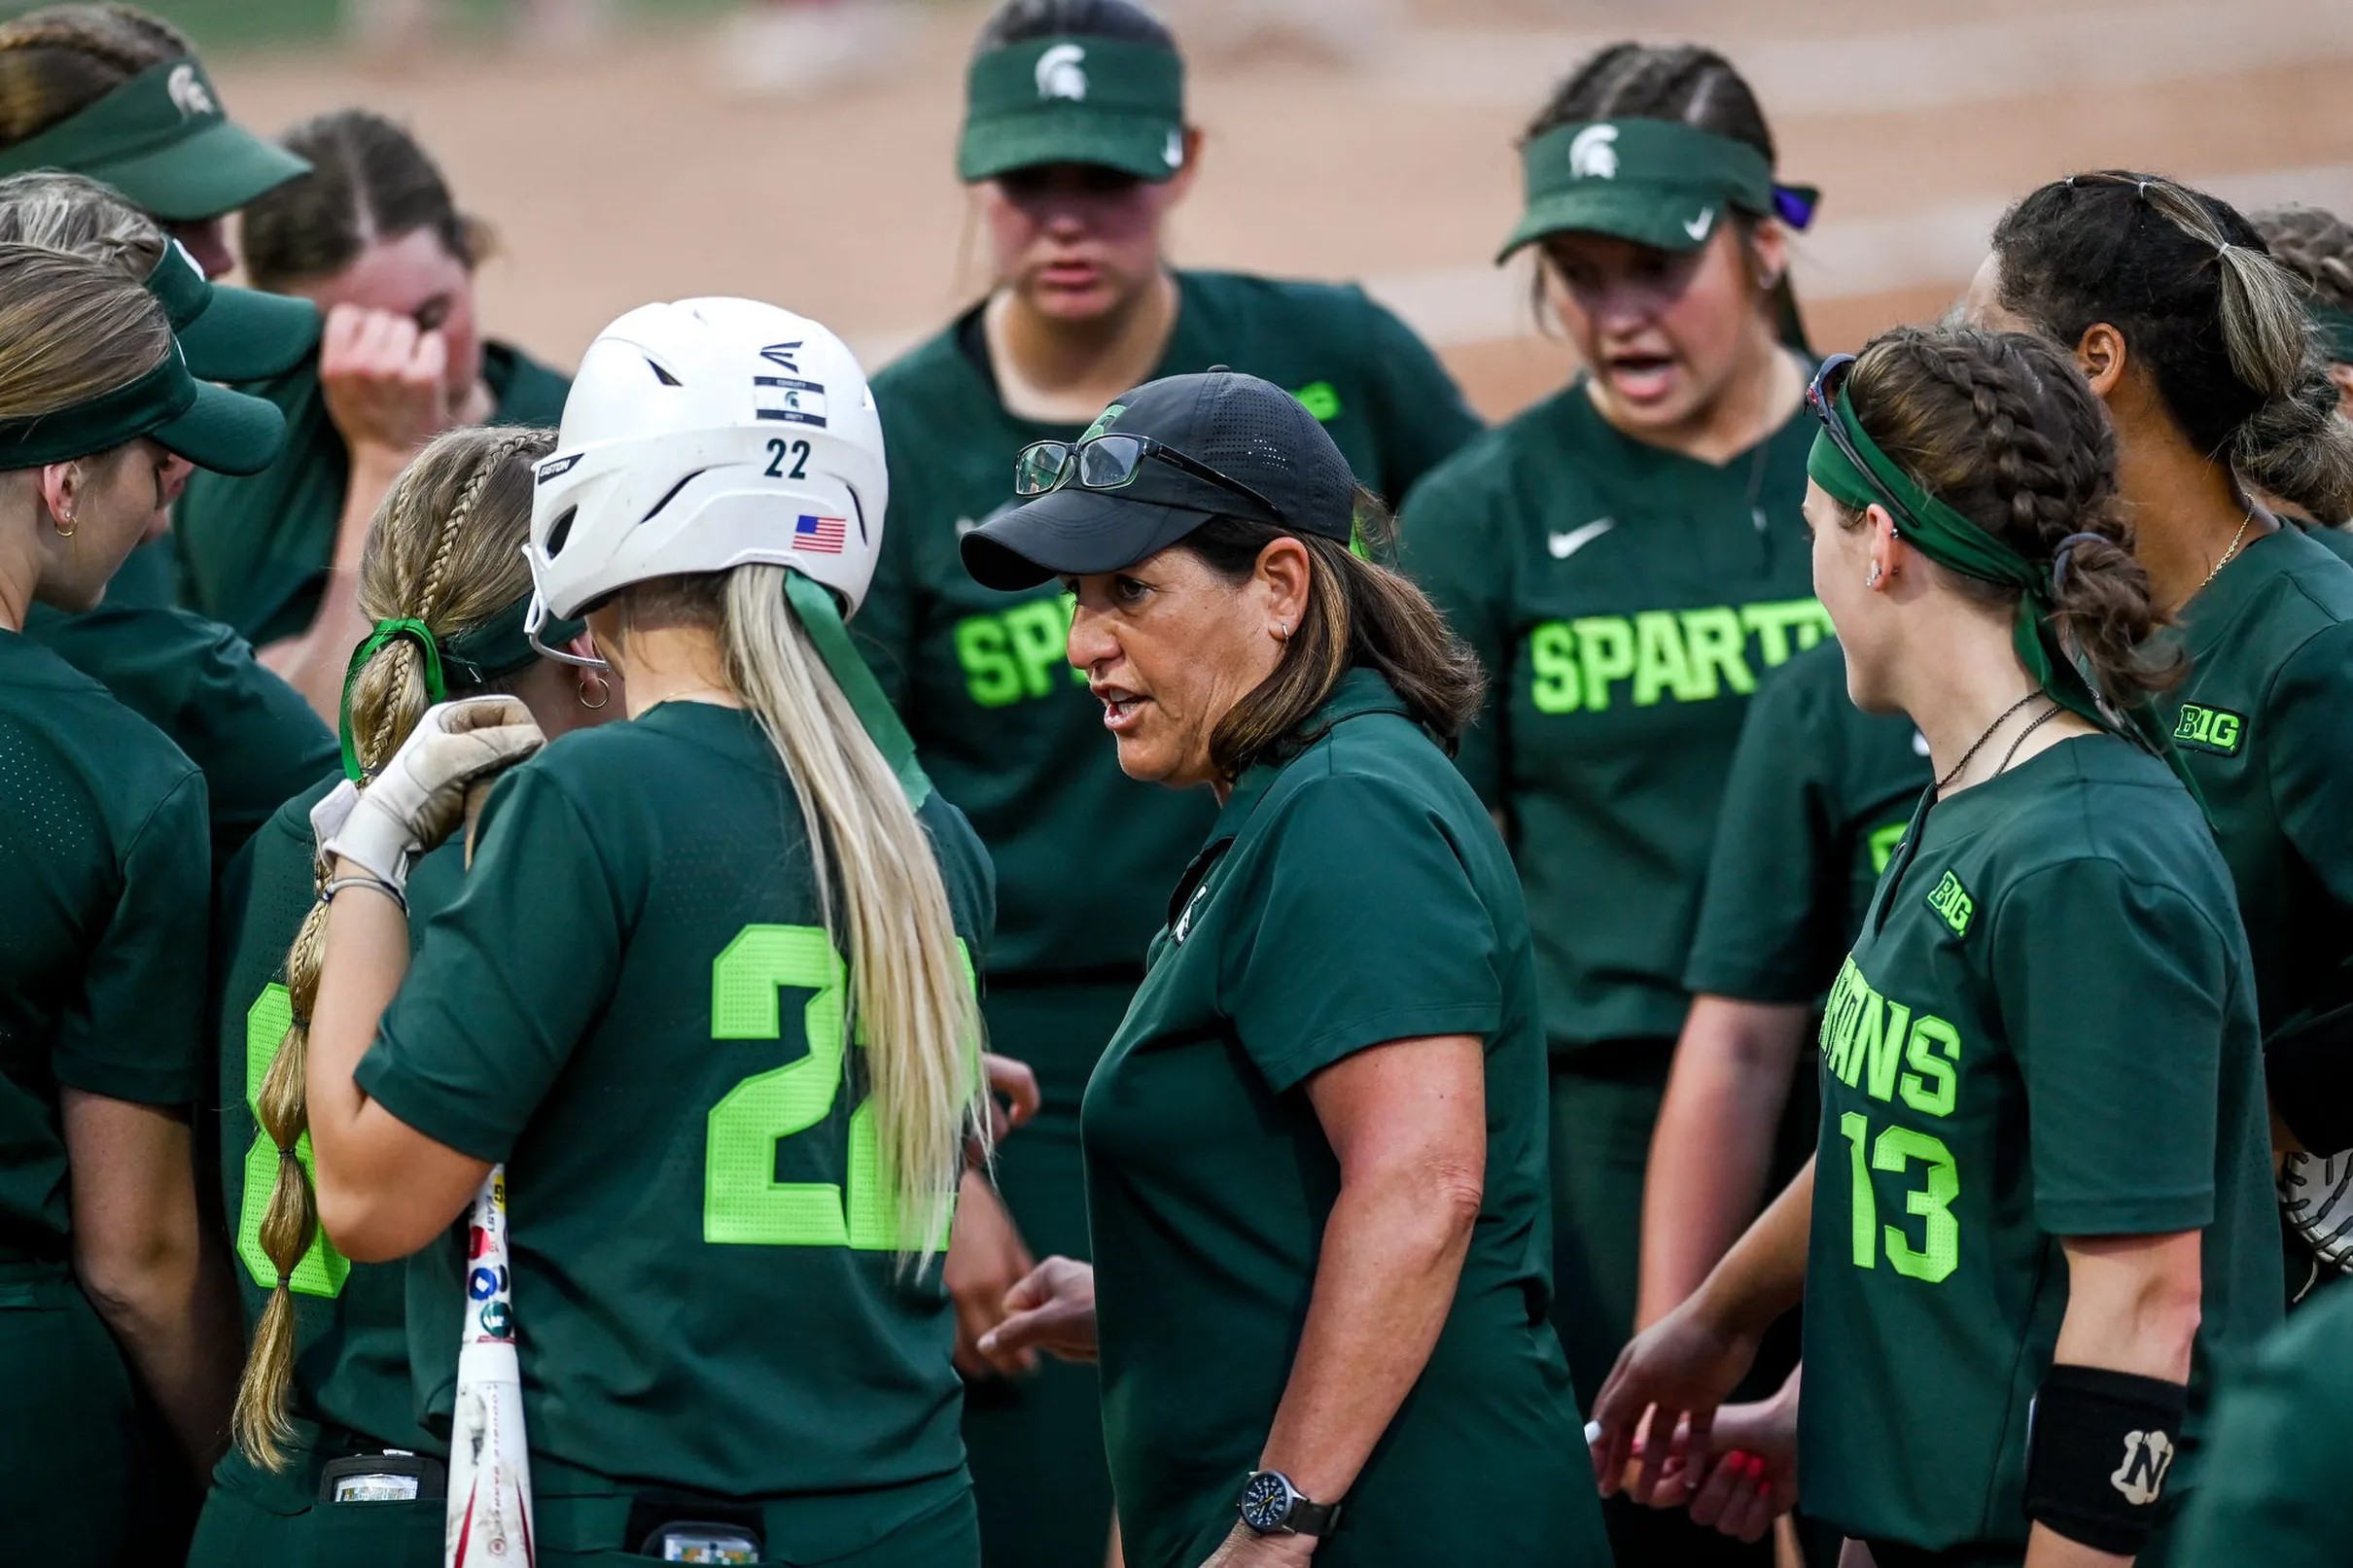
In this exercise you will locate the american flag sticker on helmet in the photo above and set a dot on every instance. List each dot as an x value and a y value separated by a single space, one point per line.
798 403
820 535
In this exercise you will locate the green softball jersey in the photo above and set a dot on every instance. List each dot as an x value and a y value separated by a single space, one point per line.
2045 1030
352 1356
1625 600
102 967
254 737
1005 724
2336 540
2275 1486
1818 796
254 553
1355 895
634 1003
2262 724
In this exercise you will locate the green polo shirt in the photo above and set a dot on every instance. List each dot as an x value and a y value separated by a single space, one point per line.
2045 1030
1818 795
634 1003
2336 539
2265 724
352 1330
2274 1487
1005 725
1355 895
102 962
1626 600
256 739
253 551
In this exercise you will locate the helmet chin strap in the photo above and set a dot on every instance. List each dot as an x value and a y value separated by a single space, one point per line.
535 618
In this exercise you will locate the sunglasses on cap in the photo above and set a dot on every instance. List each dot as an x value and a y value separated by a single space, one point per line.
1821 398
1111 461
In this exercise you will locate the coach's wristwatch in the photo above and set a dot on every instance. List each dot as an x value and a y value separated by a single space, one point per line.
1270 1505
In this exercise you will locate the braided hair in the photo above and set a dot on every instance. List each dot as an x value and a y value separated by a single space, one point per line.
57 61
2003 428
446 548
2199 302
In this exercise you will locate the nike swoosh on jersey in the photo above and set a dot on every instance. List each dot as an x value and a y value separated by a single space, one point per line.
1564 545
1698 227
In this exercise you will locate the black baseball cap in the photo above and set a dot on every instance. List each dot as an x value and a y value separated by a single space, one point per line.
1252 431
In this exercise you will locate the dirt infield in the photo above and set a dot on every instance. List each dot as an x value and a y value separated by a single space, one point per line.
626 173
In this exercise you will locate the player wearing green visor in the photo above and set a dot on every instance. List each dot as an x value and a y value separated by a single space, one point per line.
1076 148
114 1301
2199 344
331 1461
256 740
374 238
1628 559
2037 1226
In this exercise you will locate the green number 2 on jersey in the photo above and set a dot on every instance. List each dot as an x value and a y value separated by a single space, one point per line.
323 1270
743 1202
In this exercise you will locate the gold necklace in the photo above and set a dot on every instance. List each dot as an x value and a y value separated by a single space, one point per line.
2216 570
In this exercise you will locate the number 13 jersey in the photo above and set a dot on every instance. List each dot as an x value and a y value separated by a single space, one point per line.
2046 1029
634 1003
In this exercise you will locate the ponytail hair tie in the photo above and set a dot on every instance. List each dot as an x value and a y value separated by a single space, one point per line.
2064 555
386 632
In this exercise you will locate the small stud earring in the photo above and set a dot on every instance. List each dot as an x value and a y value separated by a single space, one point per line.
1872 580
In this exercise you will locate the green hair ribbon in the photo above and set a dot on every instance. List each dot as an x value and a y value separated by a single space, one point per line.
387 632
1941 533
814 606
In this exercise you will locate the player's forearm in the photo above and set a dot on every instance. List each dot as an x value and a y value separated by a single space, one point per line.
1712 1147
2046 1548
174 1313
1763 1275
2132 1304
1385 1280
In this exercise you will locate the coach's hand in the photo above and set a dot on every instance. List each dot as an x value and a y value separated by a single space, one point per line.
420 797
986 1260
1670 1380
1052 1310
1013 1097
386 384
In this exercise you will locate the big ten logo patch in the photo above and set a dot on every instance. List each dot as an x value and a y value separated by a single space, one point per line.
1585 664
1017 655
2209 729
1951 900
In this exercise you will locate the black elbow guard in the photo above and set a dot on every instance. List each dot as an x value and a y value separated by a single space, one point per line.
2098 1447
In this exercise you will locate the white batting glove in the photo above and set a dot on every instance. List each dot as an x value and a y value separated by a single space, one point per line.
327 817
420 797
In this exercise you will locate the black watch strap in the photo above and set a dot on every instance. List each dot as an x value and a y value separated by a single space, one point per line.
1271 1504
1311 1518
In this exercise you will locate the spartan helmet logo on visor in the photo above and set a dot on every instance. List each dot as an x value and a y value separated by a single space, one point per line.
1059 75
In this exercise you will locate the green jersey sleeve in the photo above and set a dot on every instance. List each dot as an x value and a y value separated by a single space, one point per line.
507 980
1772 918
1418 409
2313 781
1366 927
1448 546
2116 995
139 1037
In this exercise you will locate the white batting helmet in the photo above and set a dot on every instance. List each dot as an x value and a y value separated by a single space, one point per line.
702 435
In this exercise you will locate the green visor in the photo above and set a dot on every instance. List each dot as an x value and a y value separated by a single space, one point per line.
212 426
232 335
1107 101
1653 182
161 140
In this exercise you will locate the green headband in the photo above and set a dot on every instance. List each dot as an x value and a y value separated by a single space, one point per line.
819 616
108 420
2335 326
386 632
493 647
161 139
1107 101
1944 535
1655 181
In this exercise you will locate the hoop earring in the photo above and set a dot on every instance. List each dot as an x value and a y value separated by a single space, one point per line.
65 524
604 691
1872 580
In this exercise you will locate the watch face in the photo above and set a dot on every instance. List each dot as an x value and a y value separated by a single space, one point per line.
1266 1502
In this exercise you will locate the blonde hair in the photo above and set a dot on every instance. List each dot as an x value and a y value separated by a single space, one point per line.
57 61
446 548
72 212
70 329
878 881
